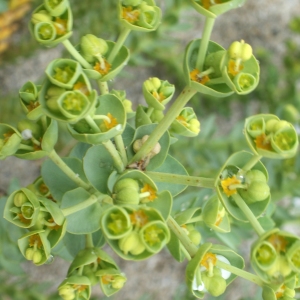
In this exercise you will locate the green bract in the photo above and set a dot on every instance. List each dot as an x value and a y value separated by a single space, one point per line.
212 9
215 216
270 137
273 256
232 173
158 92
199 264
40 145
105 69
109 121
51 26
35 246
145 16
202 84
240 71
56 7
186 124
22 208
75 286
10 140
134 232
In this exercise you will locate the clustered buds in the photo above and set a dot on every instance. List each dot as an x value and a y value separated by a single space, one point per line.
271 137
135 233
139 15
52 22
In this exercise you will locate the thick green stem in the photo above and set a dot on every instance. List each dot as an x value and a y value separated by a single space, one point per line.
115 156
241 273
76 54
182 236
89 241
208 26
248 214
82 205
67 170
164 124
119 43
251 163
181 179
121 148
103 86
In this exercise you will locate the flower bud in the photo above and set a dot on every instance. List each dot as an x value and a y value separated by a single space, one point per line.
19 199
127 105
240 50
34 127
92 47
270 125
215 285
255 175
280 268
131 243
194 125
118 282
290 113
29 253
125 183
280 125
37 257
67 292
156 116
41 16
195 237
127 196
256 191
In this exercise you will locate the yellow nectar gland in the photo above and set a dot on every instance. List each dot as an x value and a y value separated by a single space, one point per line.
234 68
182 120
280 292
35 240
129 14
194 75
107 279
208 3
32 105
226 183
60 26
208 259
138 218
159 96
263 142
113 122
150 190
82 87
103 70
220 216
80 287
54 226
22 219
278 242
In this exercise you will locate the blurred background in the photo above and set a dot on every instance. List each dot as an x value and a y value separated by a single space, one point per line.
272 27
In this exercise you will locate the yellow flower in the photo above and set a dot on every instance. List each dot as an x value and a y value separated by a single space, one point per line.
226 185
194 76
102 70
129 14
150 190
208 258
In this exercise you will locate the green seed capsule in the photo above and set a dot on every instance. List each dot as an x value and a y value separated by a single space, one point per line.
257 191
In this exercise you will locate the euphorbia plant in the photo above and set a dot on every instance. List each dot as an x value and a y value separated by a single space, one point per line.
119 184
